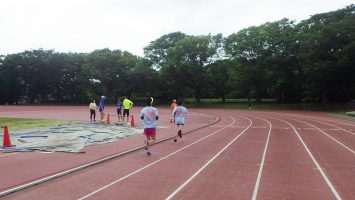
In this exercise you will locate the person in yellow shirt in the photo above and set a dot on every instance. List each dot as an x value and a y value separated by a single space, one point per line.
172 107
92 108
127 104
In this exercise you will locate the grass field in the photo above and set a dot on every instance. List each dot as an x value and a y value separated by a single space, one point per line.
21 124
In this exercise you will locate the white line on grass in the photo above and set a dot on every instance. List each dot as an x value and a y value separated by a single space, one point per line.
204 166
330 185
155 162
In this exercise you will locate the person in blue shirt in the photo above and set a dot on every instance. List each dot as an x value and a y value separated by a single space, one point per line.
119 110
149 115
102 108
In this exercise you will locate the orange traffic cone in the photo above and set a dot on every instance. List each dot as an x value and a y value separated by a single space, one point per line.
6 142
108 119
132 121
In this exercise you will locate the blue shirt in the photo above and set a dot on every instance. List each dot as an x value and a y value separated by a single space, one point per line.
102 105
149 114
119 105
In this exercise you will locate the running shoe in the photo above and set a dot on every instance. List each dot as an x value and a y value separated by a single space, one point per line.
148 153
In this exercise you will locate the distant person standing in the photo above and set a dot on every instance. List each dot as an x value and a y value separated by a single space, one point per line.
92 108
127 104
119 111
172 107
102 108
179 114
249 103
149 115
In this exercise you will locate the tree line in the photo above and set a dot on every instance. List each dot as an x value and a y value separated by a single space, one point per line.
312 60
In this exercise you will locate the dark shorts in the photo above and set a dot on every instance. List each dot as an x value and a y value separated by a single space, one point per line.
119 111
150 132
126 112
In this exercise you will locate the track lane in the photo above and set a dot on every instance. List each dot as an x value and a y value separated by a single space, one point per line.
337 163
208 194
344 140
233 173
289 171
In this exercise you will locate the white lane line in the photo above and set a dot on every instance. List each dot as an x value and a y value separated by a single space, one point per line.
343 145
330 185
204 166
333 126
325 119
257 183
155 162
8 154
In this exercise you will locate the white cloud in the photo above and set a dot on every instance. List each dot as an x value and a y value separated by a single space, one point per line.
86 25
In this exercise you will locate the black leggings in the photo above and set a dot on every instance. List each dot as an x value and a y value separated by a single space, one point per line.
92 112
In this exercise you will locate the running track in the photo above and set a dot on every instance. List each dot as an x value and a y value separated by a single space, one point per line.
245 155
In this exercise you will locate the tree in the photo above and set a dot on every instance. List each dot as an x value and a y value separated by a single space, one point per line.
187 63
156 52
324 39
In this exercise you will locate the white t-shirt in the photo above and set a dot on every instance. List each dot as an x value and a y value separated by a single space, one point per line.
149 114
179 113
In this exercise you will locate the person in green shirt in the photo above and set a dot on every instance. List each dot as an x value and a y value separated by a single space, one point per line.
127 104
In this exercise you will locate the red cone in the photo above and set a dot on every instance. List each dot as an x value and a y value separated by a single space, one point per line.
6 141
132 121
108 119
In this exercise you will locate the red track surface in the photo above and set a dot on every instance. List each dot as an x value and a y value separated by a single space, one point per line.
246 155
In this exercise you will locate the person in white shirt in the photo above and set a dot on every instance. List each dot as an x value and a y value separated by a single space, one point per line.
179 114
149 115
92 108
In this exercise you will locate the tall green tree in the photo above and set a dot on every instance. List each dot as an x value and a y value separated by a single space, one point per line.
187 63
324 42
156 52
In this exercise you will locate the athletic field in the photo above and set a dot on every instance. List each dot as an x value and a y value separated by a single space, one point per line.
225 154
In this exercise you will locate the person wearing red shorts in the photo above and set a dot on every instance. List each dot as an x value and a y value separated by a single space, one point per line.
149 115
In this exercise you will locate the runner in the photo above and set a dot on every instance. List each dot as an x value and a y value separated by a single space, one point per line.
102 108
92 108
119 110
172 107
127 104
149 115
179 114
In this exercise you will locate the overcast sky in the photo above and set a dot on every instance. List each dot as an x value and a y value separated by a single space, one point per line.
86 25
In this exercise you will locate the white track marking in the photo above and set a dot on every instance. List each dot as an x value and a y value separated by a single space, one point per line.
257 183
333 126
8 154
325 119
204 166
343 145
330 185
155 162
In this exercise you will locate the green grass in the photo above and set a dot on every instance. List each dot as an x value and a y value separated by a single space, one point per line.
21 124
